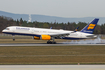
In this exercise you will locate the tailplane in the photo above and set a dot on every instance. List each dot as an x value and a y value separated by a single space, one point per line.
76 29
90 27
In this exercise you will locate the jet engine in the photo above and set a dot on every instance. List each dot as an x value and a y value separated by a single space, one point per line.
43 37
37 38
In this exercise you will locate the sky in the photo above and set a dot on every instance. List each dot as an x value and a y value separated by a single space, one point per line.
59 8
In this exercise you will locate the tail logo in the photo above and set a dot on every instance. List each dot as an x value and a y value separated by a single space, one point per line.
91 26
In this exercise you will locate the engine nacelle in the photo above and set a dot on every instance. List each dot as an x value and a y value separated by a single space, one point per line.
37 38
43 37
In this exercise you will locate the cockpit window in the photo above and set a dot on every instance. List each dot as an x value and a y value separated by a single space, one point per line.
7 29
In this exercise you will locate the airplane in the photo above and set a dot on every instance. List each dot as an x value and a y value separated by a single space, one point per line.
52 34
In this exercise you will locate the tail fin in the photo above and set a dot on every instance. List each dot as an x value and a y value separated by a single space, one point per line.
90 27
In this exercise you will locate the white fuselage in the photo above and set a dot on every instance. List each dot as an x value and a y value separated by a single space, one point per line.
17 30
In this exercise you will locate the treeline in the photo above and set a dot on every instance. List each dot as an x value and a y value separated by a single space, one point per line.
7 21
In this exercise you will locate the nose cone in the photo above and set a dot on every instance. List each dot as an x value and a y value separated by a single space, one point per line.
3 31
6 30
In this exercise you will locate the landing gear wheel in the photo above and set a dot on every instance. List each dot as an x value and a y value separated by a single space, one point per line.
13 39
53 42
47 42
50 42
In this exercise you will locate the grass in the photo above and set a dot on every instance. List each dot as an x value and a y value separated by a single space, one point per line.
49 54
52 55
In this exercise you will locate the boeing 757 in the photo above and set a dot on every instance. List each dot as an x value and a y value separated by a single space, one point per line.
52 34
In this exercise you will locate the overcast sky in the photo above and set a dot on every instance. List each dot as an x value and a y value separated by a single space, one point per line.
60 8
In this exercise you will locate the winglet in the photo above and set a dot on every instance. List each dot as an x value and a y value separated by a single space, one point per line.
90 27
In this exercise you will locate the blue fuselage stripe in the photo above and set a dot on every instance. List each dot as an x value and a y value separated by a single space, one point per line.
68 38
22 34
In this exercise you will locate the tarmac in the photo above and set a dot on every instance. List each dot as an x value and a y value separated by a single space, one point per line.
52 67
44 44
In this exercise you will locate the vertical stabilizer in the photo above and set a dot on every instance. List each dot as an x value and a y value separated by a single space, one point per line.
90 27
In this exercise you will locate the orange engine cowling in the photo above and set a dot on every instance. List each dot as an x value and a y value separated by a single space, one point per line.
43 37
37 38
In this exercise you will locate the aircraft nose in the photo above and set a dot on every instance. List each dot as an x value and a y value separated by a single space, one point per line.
3 31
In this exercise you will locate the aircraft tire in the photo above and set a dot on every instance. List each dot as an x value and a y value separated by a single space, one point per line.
13 39
49 42
53 42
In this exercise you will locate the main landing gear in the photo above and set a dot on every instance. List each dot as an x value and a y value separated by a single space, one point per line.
51 42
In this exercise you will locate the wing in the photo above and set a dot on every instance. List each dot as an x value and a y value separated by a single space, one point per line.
59 35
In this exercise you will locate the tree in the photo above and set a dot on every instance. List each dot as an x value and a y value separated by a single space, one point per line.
17 22
21 21
45 25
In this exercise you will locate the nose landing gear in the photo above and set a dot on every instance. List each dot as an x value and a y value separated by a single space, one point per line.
13 37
